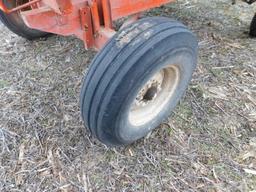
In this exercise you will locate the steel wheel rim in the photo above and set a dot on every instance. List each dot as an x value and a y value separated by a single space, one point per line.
154 96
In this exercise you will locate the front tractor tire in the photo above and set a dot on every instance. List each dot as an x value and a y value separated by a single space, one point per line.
15 23
137 79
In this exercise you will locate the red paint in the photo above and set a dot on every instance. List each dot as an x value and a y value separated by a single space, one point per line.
89 20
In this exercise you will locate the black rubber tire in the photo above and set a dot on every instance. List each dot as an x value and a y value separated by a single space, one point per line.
119 70
15 23
252 32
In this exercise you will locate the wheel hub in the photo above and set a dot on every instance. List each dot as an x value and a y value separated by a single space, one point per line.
154 95
149 91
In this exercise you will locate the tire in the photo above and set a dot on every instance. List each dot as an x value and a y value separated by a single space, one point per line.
15 23
113 104
252 32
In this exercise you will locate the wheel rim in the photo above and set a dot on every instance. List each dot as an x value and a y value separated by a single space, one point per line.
154 96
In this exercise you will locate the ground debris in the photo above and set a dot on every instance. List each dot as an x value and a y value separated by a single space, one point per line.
208 144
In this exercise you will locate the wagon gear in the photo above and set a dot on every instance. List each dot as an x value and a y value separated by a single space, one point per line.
140 72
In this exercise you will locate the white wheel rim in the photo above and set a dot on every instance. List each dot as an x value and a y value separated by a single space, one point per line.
154 96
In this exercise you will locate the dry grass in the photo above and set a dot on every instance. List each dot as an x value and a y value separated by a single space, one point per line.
209 144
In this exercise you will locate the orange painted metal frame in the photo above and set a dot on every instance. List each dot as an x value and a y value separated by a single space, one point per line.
89 20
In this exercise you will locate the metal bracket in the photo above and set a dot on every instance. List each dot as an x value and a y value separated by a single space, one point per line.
87 26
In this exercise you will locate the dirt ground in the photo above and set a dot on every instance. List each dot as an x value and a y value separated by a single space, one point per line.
208 144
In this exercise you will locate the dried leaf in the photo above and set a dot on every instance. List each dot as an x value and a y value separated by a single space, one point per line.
217 92
250 171
249 154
